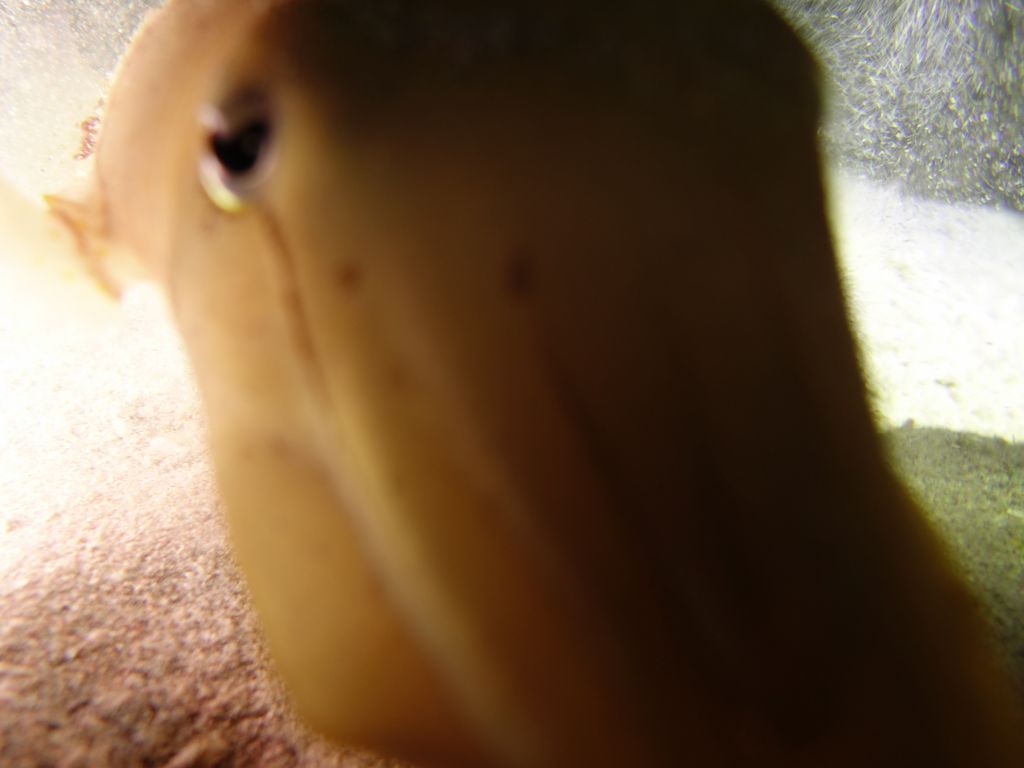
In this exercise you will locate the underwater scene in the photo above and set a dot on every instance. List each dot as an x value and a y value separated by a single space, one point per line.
229 533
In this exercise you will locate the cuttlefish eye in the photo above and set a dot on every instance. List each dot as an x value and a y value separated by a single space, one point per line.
236 157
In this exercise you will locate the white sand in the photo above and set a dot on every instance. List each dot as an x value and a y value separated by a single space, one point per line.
937 293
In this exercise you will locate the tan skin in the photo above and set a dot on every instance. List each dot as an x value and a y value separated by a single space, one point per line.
532 395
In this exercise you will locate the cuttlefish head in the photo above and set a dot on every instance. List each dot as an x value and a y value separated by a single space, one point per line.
530 389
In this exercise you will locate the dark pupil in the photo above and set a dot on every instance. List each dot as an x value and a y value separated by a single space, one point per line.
239 151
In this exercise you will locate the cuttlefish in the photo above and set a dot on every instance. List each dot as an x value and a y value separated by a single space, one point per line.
531 390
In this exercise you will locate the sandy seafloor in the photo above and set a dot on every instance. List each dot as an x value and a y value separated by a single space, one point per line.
125 634
937 295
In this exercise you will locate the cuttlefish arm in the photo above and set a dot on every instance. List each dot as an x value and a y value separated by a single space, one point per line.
531 390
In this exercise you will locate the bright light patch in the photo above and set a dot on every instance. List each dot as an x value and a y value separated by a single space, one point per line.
937 295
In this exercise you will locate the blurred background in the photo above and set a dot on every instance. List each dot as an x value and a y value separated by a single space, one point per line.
925 93
56 58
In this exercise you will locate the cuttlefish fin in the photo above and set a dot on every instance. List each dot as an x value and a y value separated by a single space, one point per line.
109 266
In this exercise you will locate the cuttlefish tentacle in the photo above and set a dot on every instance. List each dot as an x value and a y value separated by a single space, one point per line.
530 385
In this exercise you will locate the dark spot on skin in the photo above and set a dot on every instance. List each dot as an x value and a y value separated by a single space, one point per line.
350 276
398 377
520 278
279 447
